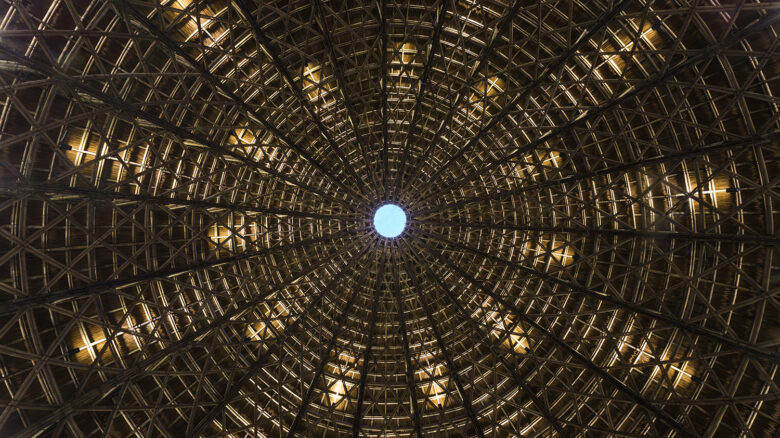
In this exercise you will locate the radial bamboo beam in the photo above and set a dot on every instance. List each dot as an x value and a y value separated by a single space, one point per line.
744 347
325 357
660 78
410 384
133 111
147 25
579 357
33 189
757 140
434 46
465 398
257 364
269 48
369 345
518 380
106 286
83 399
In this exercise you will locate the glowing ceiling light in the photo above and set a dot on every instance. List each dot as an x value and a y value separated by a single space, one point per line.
390 220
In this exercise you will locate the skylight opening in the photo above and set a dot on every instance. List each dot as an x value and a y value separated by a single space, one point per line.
389 220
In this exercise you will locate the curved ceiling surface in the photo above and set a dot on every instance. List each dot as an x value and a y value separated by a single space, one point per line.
187 191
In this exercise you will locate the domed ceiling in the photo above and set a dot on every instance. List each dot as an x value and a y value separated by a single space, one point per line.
187 191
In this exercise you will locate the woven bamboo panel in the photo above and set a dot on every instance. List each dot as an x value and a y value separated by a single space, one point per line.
187 190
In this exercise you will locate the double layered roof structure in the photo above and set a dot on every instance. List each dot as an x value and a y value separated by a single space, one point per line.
187 192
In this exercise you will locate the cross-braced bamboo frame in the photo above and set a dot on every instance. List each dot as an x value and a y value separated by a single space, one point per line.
186 189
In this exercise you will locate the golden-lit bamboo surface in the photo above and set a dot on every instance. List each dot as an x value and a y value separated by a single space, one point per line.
187 188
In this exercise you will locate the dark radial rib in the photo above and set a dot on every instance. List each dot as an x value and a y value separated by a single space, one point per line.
257 364
757 140
132 111
536 83
503 26
382 4
635 396
369 345
13 190
214 81
352 115
29 302
589 231
138 368
453 371
424 82
325 357
410 384
544 409
744 347
590 115
268 47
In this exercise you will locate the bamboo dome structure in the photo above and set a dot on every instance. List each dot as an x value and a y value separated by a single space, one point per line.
187 190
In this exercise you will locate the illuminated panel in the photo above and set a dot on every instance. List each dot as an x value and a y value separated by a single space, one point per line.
249 144
338 388
109 160
486 92
315 87
81 147
679 372
87 341
711 189
279 316
555 247
434 385
401 62
240 235
617 62
613 61
181 13
532 167
516 341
